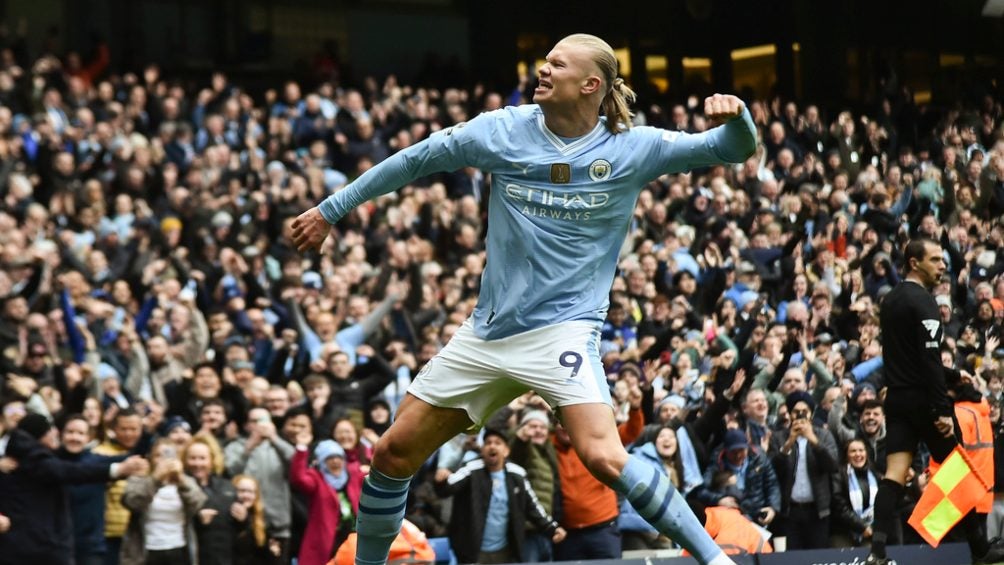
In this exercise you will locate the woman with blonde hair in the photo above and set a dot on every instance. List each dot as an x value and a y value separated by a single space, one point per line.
161 508
252 545
219 519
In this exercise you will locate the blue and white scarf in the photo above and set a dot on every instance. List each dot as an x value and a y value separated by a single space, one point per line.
692 476
857 498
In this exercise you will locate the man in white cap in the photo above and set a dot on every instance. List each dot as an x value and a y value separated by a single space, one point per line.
532 449
949 321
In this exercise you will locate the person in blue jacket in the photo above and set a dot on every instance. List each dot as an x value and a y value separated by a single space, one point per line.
87 500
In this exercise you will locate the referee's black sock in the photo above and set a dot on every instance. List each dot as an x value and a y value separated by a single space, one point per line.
975 526
889 492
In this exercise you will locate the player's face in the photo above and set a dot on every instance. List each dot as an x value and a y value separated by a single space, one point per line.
560 79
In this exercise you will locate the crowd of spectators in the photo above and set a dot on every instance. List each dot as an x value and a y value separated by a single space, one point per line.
178 384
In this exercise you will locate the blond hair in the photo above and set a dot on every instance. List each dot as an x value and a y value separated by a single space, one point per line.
257 510
618 96
215 452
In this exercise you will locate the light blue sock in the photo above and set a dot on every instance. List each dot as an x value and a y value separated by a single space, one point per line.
655 498
381 511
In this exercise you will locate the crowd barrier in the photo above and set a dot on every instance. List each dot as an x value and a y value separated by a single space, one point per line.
945 554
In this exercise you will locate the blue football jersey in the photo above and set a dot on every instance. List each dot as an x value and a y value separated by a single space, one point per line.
559 208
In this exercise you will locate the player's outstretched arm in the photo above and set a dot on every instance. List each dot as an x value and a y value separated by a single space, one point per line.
734 141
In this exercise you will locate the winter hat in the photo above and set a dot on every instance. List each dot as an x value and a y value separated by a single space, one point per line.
675 400
175 422
105 371
859 388
494 432
535 415
36 425
327 449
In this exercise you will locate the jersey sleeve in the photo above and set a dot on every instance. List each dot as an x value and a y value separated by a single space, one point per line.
668 152
468 144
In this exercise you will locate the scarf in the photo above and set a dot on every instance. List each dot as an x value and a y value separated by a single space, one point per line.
692 476
739 471
857 499
324 450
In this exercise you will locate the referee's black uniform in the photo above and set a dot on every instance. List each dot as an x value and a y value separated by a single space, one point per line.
917 396
917 382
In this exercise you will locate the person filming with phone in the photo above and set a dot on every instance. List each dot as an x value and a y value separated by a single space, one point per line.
162 506
264 455
804 456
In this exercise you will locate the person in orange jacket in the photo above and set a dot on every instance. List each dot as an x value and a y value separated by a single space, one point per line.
975 434
588 507
732 531
409 546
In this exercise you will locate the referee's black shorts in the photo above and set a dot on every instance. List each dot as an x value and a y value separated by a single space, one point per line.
908 420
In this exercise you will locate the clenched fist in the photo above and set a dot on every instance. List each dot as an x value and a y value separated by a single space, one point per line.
720 108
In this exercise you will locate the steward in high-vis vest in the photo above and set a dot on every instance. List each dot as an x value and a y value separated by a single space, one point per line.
976 436
410 546
732 531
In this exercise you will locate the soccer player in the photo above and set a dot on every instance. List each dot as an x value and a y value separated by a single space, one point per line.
917 404
564 185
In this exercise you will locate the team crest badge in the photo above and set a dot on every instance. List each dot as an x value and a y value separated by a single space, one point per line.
561 173
600 170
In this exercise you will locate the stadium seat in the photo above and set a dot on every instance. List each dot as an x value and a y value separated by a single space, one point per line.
443 552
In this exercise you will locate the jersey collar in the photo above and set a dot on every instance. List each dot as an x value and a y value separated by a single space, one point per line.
570 148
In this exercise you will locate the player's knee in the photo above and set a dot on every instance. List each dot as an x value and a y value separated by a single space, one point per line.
604 464
393 459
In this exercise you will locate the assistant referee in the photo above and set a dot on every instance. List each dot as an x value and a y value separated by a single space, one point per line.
917 404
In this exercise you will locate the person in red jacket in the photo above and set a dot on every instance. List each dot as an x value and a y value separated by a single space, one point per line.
333 488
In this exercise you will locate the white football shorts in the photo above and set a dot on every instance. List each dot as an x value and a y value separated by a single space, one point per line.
561 363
